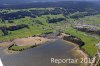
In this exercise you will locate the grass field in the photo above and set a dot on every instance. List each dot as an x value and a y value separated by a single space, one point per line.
40 25
19 48
94 20
35 28
90 42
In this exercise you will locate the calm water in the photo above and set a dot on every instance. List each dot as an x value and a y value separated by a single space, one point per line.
41 55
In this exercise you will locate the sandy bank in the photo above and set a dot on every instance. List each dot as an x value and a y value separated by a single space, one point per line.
30 41
5 44
25 41
77 51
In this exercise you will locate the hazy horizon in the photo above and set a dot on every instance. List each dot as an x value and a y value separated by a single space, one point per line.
29 1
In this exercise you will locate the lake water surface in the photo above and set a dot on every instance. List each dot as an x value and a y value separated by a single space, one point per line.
41 55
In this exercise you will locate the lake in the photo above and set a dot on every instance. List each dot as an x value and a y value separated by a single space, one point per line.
41 55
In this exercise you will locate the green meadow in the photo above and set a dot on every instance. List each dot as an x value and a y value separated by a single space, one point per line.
90 42
41 25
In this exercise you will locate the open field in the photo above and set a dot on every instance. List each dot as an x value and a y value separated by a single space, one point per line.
94 20
90 42
36 26
38 21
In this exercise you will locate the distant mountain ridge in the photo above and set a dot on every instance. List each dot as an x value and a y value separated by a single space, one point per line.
12 1
48 3
29 1
25 1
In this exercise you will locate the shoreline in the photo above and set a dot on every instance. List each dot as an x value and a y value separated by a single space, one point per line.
9 52
39 41
79 52
77 48
20 42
